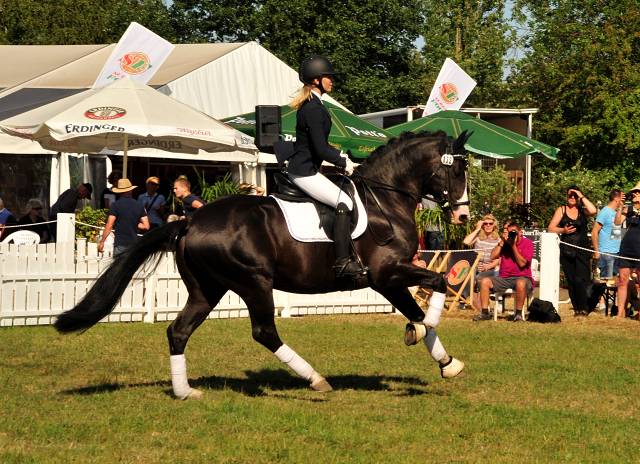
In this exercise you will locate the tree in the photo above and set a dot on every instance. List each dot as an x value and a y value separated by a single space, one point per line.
73 22
476 35
581 69
370 42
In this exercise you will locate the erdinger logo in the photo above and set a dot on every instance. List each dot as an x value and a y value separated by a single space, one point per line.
104 113
458 272
135 63
448 92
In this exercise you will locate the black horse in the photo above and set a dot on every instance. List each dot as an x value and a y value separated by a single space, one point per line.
241 243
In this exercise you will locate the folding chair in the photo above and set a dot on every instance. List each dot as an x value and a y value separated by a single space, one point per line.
23 237
459 271
418 293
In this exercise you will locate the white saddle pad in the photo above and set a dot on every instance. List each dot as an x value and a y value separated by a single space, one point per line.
303 220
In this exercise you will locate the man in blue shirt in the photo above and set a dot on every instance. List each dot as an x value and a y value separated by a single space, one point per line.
153 202
606 236
126 216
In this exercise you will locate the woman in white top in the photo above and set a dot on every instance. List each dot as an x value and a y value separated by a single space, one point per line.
485 237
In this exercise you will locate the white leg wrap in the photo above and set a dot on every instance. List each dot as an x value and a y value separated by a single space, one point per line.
433 344
436 304
294 361
179 380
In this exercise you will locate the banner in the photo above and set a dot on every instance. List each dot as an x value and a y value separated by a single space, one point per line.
459 269
138 55
451 89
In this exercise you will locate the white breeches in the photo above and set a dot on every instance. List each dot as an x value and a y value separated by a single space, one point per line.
322 189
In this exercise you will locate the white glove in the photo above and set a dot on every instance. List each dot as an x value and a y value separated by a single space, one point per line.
350 167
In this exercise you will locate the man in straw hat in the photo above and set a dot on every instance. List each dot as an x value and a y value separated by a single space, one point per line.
126 216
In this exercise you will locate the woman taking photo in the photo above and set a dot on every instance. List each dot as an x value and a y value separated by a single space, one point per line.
629 247
570 222
313 124
484 238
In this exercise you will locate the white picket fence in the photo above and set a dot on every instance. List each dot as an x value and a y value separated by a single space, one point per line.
38 282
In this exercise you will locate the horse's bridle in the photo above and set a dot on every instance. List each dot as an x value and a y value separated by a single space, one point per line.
445 201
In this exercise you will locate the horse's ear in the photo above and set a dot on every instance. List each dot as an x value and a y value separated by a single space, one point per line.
458 145
446 144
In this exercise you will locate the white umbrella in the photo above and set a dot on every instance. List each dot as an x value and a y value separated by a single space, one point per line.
125 115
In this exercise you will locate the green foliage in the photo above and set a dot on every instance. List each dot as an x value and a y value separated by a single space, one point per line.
476 35
582 70
94 217
78 22
549 188
226 186
491 192
434 218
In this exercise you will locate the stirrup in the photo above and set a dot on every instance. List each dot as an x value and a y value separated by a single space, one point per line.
349 268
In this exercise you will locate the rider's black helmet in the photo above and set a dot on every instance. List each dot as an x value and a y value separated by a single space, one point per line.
315 66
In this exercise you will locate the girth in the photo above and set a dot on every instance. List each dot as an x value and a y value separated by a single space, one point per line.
288 191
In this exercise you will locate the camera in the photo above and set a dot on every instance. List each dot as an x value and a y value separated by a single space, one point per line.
575 224
513 234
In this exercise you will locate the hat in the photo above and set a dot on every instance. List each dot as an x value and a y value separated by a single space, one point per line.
89 187
124 185
637 187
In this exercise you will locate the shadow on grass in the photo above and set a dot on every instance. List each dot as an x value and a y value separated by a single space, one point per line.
259 383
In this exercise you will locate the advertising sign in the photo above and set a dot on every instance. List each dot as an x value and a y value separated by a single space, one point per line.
451 89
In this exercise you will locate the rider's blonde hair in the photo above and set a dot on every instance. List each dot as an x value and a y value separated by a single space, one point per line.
304 95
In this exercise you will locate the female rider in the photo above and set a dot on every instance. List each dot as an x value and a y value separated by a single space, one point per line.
313 124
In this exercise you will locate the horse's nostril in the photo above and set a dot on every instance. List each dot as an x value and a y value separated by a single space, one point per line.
464 218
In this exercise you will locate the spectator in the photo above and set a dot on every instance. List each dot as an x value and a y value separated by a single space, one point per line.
6 219
629 256
434 237
68 202
515 253
571 222
484 238
108 196
153 202
606 237
33 221
253 189
190 202
173 217
126 216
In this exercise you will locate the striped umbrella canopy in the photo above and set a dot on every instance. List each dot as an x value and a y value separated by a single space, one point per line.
488 139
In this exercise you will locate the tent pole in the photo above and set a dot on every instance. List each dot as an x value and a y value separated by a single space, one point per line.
124 159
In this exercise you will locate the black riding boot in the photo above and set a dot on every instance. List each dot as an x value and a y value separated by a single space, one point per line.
345 266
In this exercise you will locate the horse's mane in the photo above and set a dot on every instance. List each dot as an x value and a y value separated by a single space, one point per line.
397 144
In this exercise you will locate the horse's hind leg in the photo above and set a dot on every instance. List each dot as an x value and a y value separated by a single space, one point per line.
420 328
263 328
192 315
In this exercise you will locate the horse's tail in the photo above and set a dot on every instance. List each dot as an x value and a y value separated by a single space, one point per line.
103 296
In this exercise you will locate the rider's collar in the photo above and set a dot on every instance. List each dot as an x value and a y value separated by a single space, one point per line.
318 94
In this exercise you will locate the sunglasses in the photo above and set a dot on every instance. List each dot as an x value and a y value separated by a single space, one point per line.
37 209
153 184
488 224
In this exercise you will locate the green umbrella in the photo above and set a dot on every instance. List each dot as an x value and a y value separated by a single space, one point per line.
349 133
487 139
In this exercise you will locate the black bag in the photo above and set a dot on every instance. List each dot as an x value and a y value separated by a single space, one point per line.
543 312
595 290
573 239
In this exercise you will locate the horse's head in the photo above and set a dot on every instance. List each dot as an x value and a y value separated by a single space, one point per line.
448 179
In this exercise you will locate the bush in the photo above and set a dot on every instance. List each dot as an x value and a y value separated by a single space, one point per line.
88 215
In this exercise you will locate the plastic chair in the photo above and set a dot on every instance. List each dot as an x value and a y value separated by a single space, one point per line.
499 296
23 237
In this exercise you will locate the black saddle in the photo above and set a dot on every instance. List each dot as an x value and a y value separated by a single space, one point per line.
288 191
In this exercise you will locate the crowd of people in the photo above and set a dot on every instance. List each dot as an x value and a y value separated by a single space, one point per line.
127 217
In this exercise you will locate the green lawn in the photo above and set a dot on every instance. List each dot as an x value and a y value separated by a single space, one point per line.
534 393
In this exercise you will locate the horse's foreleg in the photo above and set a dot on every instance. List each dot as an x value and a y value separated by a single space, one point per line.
420 327
261 311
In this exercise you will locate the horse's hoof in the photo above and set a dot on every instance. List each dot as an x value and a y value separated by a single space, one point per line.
453 369
319 383
415 332
195 394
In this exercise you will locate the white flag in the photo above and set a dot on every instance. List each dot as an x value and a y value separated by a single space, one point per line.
138 55
451 89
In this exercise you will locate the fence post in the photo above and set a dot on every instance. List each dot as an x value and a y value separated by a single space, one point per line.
66 231
550 268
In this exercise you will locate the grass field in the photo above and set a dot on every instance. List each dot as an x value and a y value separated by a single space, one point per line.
534 393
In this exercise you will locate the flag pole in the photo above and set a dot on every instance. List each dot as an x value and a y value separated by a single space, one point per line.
124 159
